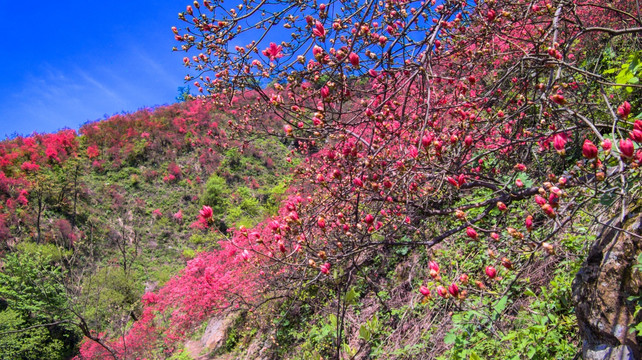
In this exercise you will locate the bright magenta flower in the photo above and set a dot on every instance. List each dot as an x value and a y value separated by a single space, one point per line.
589 150
529 223
274 51
206 212
636 135
520 167
624 110
325 92
325 268
471 233
626 148
319 30
491 272
559 143
432 265
540 200
453 289
354 59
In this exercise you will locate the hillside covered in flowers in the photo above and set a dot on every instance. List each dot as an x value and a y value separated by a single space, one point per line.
355 180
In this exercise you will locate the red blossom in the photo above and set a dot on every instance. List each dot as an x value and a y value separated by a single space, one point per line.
589 150
636 135
206 213
626 148
453 289
273 52
471 233
624 110
319 30
491 272
354 59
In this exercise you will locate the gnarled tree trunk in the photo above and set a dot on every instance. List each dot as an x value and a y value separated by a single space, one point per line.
601 290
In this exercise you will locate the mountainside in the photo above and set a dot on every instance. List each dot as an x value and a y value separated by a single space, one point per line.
390 180
107 214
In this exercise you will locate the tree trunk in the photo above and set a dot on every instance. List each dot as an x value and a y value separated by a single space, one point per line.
601 290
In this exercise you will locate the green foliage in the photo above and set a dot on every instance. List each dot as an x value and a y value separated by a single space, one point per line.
545 329
215 196
629 72
111 293
189 253
181 355
637 299
319 340
34 322
36 343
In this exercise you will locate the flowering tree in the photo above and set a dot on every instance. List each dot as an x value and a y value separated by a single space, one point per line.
499 122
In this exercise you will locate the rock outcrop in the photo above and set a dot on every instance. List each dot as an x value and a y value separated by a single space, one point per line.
601 290
213 337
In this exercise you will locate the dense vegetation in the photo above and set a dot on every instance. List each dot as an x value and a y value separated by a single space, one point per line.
390 179
90 222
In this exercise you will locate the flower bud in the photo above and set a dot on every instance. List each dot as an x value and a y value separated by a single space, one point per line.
471 233
624 110
463 278
559 144
626 148
491 272
354 59
589 150
453 289
325 268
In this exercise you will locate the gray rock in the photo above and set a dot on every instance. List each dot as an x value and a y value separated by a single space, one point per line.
604 352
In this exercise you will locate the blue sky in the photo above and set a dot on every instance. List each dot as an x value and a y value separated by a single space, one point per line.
68 62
